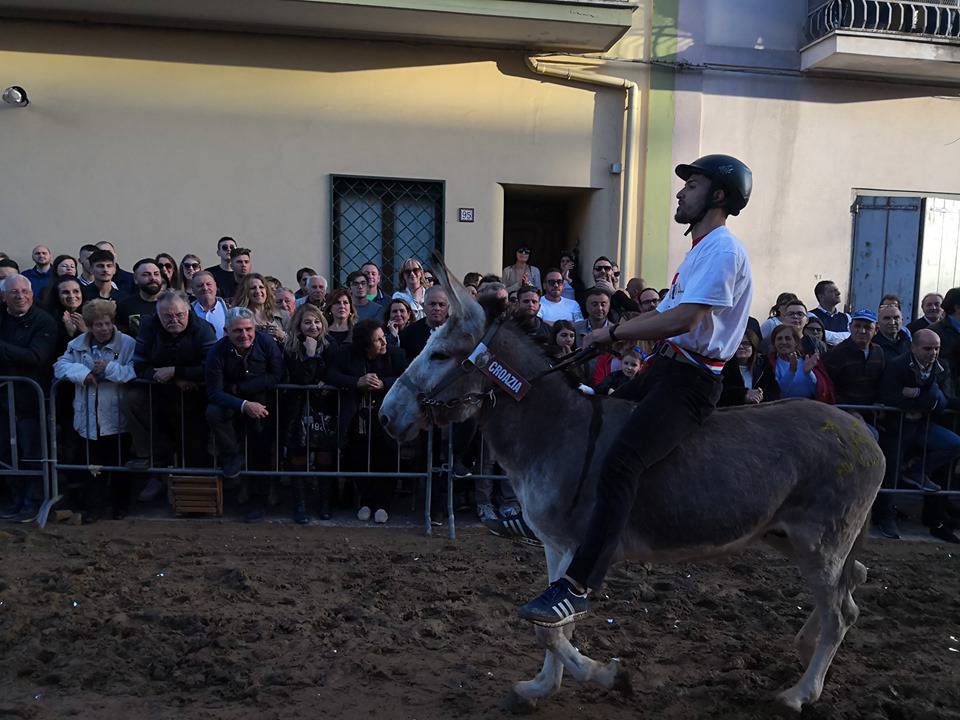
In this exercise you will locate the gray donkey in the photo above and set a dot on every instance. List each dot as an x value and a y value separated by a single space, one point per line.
807 492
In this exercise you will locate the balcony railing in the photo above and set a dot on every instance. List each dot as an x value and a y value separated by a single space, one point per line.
925 20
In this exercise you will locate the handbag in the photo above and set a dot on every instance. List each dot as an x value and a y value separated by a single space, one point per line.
318 430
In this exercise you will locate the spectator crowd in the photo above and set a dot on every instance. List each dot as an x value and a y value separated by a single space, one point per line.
175 365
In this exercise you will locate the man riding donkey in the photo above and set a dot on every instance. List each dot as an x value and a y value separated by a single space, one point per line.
703 318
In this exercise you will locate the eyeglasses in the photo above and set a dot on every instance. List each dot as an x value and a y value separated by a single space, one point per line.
412 271
523 251
616 274
191 266
557 281
166 266
173 316
603 268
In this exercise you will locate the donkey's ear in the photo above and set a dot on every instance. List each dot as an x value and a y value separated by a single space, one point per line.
463 307
461 302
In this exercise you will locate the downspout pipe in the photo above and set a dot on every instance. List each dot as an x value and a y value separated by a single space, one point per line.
625 249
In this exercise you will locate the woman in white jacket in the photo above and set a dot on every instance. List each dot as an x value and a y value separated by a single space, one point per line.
99 362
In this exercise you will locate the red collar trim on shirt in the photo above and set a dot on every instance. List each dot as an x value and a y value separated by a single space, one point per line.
697 239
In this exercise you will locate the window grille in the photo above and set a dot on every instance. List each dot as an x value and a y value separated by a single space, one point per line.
386 221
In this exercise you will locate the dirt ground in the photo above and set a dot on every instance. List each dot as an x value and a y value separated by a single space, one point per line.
207 620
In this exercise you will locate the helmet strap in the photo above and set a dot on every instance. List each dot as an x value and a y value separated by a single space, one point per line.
707 207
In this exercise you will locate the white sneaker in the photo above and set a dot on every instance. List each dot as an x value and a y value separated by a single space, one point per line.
486 511
151 490
380 516
363 514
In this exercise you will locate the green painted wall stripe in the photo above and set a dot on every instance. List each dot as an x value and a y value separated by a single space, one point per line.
658 162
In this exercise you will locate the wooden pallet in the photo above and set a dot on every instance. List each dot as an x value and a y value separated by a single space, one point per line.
197 495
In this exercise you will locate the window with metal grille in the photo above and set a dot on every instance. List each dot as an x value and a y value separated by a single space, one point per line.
385 221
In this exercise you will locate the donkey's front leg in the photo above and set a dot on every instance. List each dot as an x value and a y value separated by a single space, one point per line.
523 695
609 676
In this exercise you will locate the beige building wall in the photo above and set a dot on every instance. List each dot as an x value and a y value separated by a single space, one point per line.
812 143
166 140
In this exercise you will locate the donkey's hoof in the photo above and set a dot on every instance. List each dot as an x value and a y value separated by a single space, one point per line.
788 703
622 682
517 704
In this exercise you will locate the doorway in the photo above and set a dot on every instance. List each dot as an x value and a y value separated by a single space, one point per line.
548 220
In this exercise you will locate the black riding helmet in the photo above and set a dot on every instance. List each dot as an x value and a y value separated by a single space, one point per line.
726 173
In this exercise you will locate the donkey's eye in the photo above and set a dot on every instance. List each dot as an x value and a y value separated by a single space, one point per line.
439 356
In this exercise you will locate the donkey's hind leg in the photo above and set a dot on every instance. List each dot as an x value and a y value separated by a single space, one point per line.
832 574
609 676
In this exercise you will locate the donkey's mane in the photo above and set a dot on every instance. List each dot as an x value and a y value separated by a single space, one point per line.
536 349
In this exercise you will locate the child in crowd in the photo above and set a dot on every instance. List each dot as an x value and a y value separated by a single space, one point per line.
630 362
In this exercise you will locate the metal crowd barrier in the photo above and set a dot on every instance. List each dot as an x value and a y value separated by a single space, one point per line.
50 464
878 412
279 469
15 466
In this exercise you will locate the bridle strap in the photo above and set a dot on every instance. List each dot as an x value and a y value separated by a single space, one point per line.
429 401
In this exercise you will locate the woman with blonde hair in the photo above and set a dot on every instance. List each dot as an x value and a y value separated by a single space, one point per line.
98 363
310 415
256 294
411 273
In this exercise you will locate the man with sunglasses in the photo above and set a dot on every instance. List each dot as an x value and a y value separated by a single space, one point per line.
699 324
553 306
222 272
606 276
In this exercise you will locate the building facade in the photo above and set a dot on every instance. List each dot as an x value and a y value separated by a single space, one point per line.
328 133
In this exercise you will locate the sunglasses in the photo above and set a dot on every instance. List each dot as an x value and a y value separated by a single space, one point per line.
617 274
602 268
412 271
192 266
523 251
554 282
166 266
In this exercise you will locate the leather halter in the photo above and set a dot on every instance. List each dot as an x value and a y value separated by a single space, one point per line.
430 404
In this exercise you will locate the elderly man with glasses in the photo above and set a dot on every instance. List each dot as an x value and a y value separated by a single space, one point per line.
28 338
171 349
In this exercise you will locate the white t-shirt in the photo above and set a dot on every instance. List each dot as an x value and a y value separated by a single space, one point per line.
716 272
566 309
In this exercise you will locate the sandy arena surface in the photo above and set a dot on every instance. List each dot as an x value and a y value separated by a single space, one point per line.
208 620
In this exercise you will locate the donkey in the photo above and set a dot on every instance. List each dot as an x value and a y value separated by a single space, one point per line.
741 479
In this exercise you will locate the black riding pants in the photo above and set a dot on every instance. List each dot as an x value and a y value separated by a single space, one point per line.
673 400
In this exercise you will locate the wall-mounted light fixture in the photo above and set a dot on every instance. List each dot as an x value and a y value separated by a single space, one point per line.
16 96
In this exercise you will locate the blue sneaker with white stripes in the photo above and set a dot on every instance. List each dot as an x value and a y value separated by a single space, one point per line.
555 606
